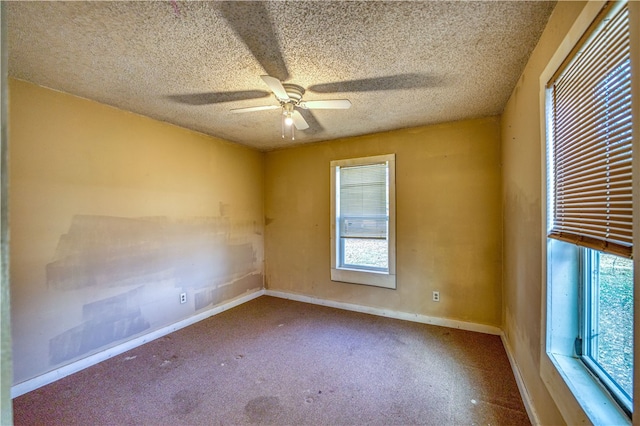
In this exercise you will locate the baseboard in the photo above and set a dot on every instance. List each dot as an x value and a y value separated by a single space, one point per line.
526 399
50 377
424 319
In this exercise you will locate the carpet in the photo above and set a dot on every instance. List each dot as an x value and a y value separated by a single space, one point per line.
280 362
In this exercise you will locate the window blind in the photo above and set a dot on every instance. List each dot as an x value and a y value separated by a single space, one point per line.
363 201
591 142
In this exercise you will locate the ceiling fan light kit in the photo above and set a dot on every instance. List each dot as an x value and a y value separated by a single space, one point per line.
287 120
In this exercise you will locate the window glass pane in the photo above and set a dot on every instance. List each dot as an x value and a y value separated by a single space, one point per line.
366 252
611 345
364 216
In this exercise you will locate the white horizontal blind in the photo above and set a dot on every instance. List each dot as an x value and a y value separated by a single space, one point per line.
591 143
363 201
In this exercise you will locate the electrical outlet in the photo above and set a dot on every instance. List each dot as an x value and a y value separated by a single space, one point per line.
436 296
183 297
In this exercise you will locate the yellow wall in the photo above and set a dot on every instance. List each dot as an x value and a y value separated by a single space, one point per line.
523 212
448 220
113 215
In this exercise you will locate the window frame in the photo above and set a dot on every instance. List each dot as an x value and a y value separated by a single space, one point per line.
578 394
589 274
364 275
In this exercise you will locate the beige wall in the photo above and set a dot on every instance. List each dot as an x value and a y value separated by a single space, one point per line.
522 152
113 215
448 220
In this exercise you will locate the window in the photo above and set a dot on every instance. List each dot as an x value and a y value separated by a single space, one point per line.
363 220
590 217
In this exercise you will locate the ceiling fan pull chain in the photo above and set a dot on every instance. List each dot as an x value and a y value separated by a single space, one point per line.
282 125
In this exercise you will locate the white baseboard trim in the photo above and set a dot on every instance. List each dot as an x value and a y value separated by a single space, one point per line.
424 319
526 398
50 377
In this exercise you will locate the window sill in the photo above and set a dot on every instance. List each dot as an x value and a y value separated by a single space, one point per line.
579 395
373 278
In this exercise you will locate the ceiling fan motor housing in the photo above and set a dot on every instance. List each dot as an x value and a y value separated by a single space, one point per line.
294 91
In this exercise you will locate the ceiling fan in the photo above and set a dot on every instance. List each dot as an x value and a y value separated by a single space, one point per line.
289 97
260 36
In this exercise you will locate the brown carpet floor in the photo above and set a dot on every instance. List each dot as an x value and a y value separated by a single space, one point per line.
274 361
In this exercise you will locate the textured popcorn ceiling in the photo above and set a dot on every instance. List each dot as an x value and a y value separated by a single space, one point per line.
401 64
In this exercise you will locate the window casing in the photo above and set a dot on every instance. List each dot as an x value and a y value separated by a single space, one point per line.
363 220
589 281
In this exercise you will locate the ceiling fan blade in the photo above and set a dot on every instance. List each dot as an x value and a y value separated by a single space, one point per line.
255 108
251 22
314 125
391 82
206 98
276 87
299 121
326 104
